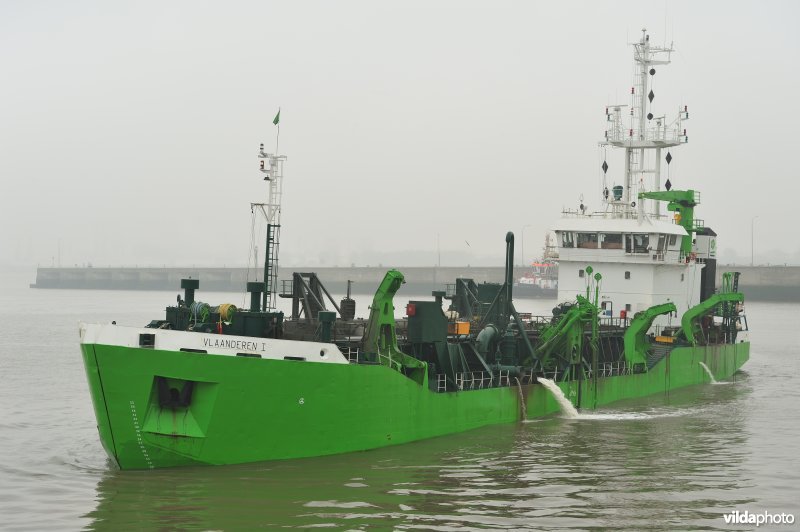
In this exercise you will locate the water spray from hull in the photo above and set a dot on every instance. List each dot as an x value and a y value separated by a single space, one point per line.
710 375
523 409
567 409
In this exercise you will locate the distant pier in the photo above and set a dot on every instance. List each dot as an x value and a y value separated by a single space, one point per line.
759 283
419 280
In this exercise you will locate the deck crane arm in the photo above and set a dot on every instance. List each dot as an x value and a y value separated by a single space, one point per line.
682 203
380 337
636 335
689 325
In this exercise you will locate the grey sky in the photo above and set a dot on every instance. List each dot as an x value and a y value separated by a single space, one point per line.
130 130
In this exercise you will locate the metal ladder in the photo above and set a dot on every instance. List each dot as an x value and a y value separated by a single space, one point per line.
272 213
271 278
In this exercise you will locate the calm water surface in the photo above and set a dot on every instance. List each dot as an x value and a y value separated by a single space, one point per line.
669 462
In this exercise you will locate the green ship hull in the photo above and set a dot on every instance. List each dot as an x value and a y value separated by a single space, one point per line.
220 385
250 409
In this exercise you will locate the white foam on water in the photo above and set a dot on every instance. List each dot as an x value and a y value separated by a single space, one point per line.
570 412
567 409
621 416
630 416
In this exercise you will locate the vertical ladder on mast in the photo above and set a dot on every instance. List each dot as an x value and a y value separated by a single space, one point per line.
272 168
271 266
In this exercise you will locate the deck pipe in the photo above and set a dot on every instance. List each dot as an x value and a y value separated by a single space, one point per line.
509 268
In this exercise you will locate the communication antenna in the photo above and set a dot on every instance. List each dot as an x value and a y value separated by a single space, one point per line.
646 134
271 165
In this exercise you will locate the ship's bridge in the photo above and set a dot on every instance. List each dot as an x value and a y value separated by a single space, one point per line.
595 238
640 260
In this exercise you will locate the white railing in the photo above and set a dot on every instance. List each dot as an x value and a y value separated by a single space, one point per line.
351 354
618 133
481 379
613 369
552 375
478 380
504 379
527 376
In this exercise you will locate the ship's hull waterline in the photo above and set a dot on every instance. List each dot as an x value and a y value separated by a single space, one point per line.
250 409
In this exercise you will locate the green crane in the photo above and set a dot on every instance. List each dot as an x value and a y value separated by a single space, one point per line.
380 337
564 339
636 343
682 203
689 321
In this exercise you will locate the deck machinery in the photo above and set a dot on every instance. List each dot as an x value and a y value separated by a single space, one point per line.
480 340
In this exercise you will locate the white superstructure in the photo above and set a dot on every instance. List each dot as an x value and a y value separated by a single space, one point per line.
640 262
635 248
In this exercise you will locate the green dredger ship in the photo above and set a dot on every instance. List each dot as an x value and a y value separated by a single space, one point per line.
217 385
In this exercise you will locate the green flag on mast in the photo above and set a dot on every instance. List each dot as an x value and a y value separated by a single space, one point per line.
277 118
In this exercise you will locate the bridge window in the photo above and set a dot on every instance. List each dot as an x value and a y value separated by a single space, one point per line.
672 240
662 242
611 240
567 239
587 240
637 243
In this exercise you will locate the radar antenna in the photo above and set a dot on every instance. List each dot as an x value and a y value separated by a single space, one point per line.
647 133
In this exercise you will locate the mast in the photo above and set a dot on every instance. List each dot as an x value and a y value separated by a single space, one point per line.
271 165
646 135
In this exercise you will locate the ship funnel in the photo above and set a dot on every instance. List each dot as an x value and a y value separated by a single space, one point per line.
347 306
255 288
190 285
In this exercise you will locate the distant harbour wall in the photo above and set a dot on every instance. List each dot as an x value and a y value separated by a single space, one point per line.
419 280
759 283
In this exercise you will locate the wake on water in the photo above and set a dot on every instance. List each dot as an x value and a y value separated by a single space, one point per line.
625 416
570 412
636 416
